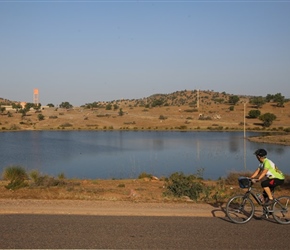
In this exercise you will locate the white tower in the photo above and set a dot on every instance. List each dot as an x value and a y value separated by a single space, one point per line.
35 97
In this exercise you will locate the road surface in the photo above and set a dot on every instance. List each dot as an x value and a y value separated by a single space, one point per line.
66 224
56 231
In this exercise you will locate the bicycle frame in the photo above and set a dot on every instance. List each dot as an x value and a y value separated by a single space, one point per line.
249 193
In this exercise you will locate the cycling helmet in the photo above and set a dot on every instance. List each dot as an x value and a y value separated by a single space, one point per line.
261 152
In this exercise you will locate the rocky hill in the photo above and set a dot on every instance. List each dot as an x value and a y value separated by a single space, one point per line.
181 110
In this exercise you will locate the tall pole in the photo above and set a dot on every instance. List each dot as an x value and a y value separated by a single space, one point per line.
245 148
197 102
245 119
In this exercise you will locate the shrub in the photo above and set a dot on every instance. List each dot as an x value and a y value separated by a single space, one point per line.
221 193
40 117
39 180
267 119
17 177
255 113
232 177
14 127
109 106
191 186
191 110
202 118
162 117
65 125
61 176
34 175
121 112
144 175
48 181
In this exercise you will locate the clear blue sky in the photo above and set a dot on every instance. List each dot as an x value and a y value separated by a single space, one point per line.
86 51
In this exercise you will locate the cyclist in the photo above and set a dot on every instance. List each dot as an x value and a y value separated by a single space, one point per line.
268 173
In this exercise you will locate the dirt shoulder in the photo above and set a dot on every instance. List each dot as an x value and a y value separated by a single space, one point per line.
107 208
136 197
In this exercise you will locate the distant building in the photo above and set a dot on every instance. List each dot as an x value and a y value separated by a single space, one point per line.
23 104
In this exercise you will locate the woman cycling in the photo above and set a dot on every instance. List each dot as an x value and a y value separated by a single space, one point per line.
268 173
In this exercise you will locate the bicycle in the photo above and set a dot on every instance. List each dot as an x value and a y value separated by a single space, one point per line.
240 208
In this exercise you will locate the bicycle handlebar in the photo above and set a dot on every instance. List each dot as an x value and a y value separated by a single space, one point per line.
254 180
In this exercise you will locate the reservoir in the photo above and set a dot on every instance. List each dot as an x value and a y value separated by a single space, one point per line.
126 154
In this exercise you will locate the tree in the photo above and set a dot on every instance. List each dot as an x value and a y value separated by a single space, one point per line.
28 106
50 105
254 113
65 105
23 112
37 106
258 101
233 99
121 112
16 106
109 106
269 98
2 109
40 117
91 105
157 102
279 99
267 119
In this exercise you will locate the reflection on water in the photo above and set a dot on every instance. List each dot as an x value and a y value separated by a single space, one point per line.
120 154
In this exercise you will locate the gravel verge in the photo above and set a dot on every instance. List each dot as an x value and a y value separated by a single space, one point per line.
118 208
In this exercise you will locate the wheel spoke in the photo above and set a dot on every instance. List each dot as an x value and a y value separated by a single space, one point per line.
281 211
240 209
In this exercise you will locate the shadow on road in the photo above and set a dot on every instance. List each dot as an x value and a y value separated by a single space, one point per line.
220 212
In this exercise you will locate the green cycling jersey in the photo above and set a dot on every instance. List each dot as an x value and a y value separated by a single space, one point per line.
273 171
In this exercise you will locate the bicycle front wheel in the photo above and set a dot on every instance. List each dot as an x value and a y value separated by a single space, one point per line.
281 211
240 209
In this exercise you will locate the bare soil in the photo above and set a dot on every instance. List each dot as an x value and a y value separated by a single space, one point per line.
140 197
115 208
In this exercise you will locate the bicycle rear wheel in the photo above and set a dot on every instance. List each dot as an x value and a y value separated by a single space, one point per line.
281 211
240 209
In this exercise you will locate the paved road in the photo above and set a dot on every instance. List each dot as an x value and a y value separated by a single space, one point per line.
137 232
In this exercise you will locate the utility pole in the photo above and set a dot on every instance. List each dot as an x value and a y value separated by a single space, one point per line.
245 148
197 101
245 119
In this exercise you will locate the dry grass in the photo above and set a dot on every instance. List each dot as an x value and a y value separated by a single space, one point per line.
133 190
123 190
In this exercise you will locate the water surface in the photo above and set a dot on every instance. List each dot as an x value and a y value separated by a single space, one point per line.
126 154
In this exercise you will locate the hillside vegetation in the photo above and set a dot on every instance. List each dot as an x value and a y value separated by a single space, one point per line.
182 110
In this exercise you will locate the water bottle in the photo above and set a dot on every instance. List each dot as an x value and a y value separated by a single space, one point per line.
260 197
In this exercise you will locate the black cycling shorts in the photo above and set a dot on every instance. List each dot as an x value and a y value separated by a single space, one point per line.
272 183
